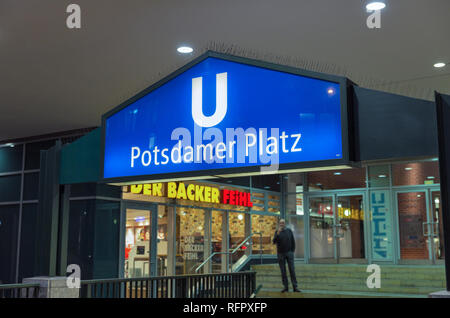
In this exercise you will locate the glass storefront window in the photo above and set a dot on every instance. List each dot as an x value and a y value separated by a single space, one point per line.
294 204
336 179
379 176
266 182
9 219
11 158
267 225
33 153
31 186
293 182
27 242
137 243
190 240
297 225
406 174
162 239
218 262
236 224
10 188
321 221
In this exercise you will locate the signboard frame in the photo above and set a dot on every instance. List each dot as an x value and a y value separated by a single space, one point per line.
345 87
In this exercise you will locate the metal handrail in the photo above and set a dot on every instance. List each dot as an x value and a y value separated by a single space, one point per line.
253 295
233 251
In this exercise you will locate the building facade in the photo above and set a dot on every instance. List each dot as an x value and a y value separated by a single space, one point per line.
381 206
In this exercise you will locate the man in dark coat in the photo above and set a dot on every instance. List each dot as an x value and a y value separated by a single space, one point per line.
284 238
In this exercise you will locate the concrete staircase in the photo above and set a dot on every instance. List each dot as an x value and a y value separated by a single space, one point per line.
347 281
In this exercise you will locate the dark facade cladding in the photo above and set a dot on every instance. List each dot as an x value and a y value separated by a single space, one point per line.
53 211
388 126
19 198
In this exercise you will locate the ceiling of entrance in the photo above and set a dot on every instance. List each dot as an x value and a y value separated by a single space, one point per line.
54 78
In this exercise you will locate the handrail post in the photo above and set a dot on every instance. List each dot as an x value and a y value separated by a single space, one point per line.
260 247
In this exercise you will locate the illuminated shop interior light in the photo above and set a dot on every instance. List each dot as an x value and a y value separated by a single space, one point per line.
430 177
382 176
240 216
408 168
337 173
439 65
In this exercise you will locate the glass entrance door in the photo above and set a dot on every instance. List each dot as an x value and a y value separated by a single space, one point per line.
336 228
414 225
322 229
350 221
140 241
437 232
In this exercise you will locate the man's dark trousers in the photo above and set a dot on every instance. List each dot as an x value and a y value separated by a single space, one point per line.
289 257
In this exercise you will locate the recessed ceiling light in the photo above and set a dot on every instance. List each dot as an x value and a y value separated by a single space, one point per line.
337 173
375 5
430 177
185 49
382 176
408 168
439 65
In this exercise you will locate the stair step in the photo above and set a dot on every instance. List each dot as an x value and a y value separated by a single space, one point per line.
384 276
394 281
349 280
309 293
360 288
358 282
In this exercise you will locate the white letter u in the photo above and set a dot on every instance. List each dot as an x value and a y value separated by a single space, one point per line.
221 101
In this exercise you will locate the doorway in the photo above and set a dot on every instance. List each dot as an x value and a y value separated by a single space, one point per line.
139 240
337 228
419 216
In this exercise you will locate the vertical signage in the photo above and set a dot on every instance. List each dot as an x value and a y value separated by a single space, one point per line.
381 225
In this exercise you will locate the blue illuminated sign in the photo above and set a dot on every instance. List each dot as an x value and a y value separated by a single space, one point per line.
219 116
